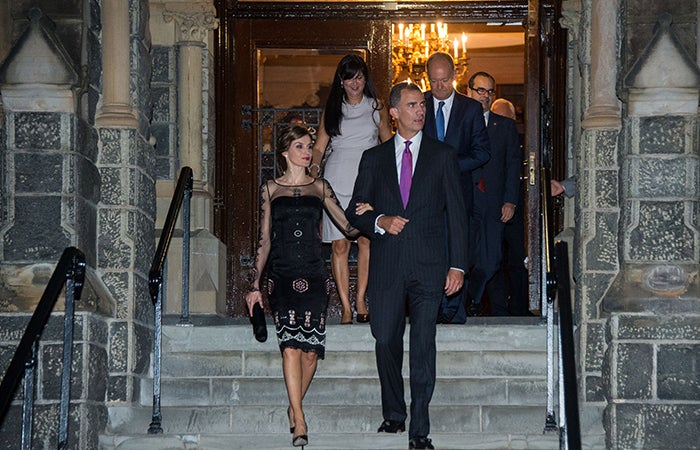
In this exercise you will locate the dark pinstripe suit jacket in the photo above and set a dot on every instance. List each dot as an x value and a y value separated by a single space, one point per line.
436 213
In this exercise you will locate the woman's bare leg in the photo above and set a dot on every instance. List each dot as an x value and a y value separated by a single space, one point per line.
341 275
362 273
299 368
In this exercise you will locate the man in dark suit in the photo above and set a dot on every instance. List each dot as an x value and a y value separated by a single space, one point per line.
457 120
495 194
418 252
510 285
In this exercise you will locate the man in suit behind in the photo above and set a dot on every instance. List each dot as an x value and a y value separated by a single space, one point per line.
418 252
495 194
457 120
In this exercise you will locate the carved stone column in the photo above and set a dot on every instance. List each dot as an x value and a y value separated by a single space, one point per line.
193 20
604 110
115 110
192 40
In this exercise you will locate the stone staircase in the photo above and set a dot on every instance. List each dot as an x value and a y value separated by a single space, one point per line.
223 390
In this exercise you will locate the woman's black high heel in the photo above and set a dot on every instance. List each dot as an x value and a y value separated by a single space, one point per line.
301 440
289 416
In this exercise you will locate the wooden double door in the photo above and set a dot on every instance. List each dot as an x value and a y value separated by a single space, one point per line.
247 29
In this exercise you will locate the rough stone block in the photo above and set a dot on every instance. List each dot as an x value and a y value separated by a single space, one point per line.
110 141
111 190
162 106
113 252
118 283
38 172
117 388
163 64
595 345
660 177
661 134
656 426
37 234
658 327
118 346
594 389
601 252
678 372
52 369
142 348
607 189
634 371
664 225
97 372
606 144
38 130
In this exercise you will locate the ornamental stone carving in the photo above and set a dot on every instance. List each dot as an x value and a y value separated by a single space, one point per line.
193 20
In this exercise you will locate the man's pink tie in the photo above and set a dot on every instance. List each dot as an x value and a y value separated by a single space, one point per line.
406 173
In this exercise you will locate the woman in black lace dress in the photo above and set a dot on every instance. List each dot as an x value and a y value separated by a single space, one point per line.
298 284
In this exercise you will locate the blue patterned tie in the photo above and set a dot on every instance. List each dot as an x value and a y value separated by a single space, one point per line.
406 173
440 122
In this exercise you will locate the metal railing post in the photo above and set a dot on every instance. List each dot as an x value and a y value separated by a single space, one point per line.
185 313
156 419
28 397
181 197
75 277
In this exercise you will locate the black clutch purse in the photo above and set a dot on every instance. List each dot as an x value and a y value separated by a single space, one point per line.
258 322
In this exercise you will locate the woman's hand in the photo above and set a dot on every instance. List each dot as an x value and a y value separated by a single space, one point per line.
251 299
361 208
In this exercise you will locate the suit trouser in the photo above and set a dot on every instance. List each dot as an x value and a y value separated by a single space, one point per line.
388 322
488 250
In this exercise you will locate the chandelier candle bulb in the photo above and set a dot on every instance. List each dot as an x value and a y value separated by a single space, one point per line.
456 48
464 44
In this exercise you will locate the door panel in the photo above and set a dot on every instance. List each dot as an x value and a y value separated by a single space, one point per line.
246 27
252 35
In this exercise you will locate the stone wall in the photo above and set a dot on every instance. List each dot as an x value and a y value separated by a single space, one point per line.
126 220
652 364
87 413
636 207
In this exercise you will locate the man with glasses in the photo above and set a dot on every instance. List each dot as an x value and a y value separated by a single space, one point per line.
453 118
495 193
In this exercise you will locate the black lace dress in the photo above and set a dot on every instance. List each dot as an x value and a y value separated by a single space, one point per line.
298 285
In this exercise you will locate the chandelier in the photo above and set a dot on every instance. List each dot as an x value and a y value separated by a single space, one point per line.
414 43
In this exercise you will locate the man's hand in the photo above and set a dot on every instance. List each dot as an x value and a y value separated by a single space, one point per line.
454 281
507 211
392 224
557 187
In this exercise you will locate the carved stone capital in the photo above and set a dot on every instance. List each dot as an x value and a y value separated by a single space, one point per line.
571 17
193 19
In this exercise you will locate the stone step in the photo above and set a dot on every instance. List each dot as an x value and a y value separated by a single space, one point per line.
222 389
457 364
342 391
329 441
479 334
321 419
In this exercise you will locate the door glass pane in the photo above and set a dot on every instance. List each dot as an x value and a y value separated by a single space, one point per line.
297 78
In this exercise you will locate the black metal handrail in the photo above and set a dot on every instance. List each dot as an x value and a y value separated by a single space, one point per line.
555 264
567 358
181 198
70 271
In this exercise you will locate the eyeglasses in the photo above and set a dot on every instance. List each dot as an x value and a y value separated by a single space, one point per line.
483 91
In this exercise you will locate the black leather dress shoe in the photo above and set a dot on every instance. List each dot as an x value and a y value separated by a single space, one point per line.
392 426
420 442
474 309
